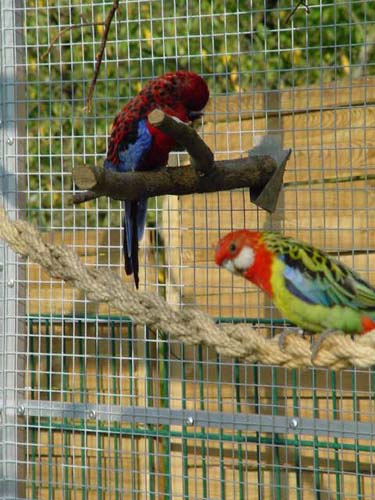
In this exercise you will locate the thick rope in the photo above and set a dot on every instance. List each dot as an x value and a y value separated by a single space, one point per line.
190 325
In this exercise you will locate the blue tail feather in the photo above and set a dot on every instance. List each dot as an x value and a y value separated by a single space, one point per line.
141 217
129 221
128 226
134 225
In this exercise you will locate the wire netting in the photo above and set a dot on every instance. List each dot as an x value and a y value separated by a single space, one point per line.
94 407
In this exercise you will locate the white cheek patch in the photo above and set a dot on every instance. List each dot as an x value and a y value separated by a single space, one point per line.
241 263
244 259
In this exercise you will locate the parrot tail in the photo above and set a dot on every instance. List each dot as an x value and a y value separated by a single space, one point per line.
134 225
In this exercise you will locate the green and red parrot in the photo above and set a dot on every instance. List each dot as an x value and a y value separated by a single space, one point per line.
136 145
310 288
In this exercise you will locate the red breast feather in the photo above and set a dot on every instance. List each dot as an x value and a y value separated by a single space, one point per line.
260 272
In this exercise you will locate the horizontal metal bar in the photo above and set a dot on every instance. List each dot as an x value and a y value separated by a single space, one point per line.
196 418
125 320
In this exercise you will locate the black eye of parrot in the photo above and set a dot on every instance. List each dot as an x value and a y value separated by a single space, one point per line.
232 247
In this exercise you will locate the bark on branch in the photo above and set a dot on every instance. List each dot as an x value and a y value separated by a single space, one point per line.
227 174
202 158
202 176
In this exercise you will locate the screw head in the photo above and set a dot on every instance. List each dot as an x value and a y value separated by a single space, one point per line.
21 411
92 414
293 423
10 283
10 140
190 420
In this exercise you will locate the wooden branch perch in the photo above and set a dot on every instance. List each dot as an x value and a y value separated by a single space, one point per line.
202 158
227 174
261 173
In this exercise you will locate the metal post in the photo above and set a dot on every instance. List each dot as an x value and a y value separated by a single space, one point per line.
274 222
12 304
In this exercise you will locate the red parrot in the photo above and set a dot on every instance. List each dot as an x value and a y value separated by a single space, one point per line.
310 288
136 145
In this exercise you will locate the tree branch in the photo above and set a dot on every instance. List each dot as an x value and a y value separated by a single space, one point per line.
301 2
202 158
253 172
99 56
64 30
261 173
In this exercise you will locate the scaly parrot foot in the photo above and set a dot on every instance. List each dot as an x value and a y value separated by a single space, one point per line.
286 336
322 337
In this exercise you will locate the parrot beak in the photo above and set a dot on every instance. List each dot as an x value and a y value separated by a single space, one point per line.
229 266
195 115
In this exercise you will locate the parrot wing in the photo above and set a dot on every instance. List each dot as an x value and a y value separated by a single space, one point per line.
130 158
316 278
125 130
131 150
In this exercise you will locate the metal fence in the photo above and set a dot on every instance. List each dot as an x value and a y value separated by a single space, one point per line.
94 407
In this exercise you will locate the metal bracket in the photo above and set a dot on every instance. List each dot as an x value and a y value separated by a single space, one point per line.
267 196
248 422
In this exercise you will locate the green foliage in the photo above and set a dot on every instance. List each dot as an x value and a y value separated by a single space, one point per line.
234 48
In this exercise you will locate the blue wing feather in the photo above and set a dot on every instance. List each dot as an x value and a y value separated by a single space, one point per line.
304 287
131 157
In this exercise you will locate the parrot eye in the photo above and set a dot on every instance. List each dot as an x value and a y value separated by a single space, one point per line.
232 247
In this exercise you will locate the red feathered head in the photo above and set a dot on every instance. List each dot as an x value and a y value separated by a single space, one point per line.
184 86
194 90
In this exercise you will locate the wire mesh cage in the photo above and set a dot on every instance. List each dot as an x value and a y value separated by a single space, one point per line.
96 407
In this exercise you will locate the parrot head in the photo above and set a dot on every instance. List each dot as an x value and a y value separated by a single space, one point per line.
237 251
194 92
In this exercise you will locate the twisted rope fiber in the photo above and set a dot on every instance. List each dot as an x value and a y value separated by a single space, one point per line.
190 326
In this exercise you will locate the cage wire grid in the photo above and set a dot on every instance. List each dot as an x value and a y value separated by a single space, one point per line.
93 407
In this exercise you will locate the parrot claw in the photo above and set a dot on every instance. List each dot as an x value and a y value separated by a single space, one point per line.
286 335
315 348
